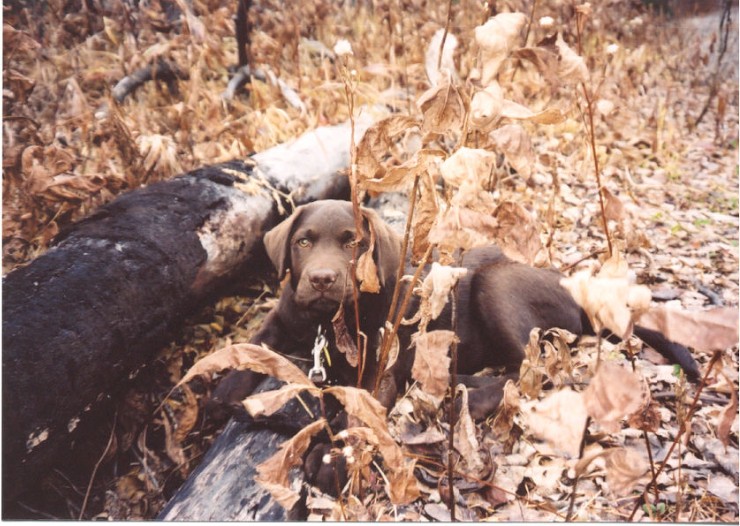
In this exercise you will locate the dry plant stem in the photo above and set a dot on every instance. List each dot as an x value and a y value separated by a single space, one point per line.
687 422
724 31
652 464
453 392
569 515
518 63
597 170
444 39
404 306
386 343
97 465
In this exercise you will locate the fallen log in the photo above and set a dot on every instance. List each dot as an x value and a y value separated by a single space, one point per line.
81 319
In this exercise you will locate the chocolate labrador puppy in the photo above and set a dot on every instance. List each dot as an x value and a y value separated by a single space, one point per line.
499 302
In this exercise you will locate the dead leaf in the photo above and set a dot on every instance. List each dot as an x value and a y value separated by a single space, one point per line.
432 56
727 417
517 233
613 394
461 228
613 207
708 330
503 422
466 441
273 473
375 145
435 291
367 271
531 370
496 38
472 165
399 178
187 415
609 299
248 356
424 215
625 469
173 448
572 68
403 488
559 419
486 107
514 142
432 361
267 402
513 110
343 340
444 107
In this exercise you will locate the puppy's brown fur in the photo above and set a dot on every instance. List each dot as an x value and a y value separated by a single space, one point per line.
499 302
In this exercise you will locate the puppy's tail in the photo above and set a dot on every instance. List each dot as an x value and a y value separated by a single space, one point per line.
672 351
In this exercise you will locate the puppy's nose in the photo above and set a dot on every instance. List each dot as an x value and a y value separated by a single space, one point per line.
322 279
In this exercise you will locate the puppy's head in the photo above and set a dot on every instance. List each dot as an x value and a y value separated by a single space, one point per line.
316 243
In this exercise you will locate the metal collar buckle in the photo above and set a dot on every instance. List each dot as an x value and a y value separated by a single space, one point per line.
317 373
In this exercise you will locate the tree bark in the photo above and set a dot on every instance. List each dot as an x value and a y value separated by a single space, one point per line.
82 318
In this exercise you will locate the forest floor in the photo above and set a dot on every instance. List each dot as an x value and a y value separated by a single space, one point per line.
69 147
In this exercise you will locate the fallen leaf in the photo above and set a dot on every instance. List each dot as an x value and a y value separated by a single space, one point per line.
503 422
625 469
273 473
709 330
435 291
466 441
432 361
559 419
399 178
727 417
267 402
614 393
366 271
248 356
375 144
572 68
486 107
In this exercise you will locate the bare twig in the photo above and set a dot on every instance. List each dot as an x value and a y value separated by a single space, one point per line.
97 465
441 51
569 515
681 430
157 70
452 417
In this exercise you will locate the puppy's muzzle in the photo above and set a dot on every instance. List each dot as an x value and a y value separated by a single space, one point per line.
322 279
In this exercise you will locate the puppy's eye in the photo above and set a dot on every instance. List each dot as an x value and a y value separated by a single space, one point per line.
303 242
352 243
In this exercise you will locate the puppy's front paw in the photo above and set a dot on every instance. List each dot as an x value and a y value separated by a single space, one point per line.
325 471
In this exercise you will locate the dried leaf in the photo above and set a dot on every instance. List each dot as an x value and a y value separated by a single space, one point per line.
486 107
503 423
708 330
187 415
461 228
267 402
472 165
572 67
400 177
727 417
424 216
466 441
443 106
248 356
367 271
173 448
530 372
159 155
625 469
512 110
435 291
374 146
273 473
432 56
514 142
545 58
403 488
613 207
614 393
517 234
343 340
432 361
609 299
496 38
560 420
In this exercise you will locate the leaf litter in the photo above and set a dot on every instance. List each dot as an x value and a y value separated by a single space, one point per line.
672 209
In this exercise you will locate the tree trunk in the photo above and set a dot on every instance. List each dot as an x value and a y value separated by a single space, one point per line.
84 316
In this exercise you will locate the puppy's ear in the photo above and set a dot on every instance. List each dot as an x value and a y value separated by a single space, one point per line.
277 243
387 246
